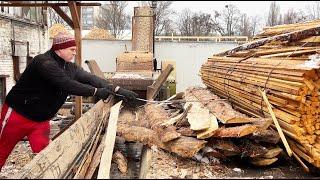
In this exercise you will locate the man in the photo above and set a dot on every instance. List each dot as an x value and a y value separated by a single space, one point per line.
41 91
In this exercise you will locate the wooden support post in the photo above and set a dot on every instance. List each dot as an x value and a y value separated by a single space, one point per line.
105 163
76 17
153 90
276 123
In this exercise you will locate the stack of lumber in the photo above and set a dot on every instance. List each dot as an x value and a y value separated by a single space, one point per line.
134 61
55 29
202 124
284 61
98 33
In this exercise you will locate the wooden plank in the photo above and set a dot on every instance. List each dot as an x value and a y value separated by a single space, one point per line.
74 14
53 161
237 131
211 130
272 152
86 159
20 4
153 90
94 68
198 117
269 136
183 146
145 162
304 166
226 146
275 121
177 119
105 163
263 161
95 160
64 16
292 36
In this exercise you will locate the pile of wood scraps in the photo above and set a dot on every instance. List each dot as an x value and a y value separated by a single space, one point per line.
98 33
284 61
204 127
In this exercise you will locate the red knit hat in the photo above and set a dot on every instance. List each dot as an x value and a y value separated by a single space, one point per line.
62 41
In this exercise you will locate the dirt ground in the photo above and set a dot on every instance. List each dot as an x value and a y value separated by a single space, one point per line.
169 166
166 165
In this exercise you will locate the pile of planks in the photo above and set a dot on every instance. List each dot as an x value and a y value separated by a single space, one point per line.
198 124
284 61
134 61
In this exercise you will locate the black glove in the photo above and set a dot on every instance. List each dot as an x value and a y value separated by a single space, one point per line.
102 93
130 95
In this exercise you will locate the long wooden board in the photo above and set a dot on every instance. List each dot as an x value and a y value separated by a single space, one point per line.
53 161
105 163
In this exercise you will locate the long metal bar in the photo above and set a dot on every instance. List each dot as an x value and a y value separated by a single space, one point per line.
20 4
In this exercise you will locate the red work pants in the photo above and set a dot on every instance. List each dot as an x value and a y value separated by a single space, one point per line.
16 128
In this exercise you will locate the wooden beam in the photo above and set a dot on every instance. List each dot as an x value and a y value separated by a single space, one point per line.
74 14
21 4
105 163
94 68
53 161
95 160
76 18
275 121
291 36
64 16
153 90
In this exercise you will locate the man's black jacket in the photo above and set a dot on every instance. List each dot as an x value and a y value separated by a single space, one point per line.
45 84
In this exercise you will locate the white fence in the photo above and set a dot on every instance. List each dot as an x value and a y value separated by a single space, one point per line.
189 56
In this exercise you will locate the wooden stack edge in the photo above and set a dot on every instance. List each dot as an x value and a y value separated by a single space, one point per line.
279 62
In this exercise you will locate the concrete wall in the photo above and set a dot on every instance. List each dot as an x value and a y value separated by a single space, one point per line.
188 56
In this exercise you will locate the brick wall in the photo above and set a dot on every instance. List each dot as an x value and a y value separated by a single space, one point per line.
19 31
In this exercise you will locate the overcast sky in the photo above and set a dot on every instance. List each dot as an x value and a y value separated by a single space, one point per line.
250 7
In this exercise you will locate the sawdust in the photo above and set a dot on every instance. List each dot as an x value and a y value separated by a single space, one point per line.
98 33
165 165
55 29
19 157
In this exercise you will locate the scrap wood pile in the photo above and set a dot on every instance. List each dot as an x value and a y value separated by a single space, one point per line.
98 33
284 61
204 127
55 29
79 151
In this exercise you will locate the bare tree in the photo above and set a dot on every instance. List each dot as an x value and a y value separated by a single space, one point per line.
112 17
163 15
244 25
274 14
255 24
54 18
292 16
217 24
226 22
184 22
313 10
195 24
